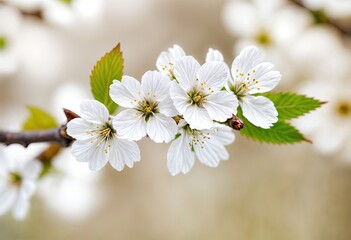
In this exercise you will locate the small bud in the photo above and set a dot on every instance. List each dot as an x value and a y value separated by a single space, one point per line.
235 123
70 115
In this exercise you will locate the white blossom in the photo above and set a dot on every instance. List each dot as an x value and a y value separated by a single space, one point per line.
150 108
166 60
250 76
97 142
197 94
17 183
207 145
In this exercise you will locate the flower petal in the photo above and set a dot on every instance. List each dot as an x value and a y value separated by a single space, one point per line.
163 60
167 108
221 105
197 118
126 93
7 199
214 55
260 111
180 98
248 59
222 134
100 157
32 169
21 207
90 151
155 85
211 153
130 124
27 188
95 111
185 70
123 152
176 51
81 129
161 128
180 157
213 76
266 77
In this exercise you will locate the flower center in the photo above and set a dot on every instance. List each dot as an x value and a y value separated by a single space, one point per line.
343 108
244 82
15 179
169 69
147 107
3 42
197 97
263 38
197 137
66 1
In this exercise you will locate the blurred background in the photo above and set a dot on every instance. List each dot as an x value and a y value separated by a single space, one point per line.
263 192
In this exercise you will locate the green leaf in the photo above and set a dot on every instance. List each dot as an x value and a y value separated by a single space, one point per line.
38 120
291 105
280 133
107 69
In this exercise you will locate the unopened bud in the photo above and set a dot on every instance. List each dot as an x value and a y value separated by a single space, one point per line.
235 123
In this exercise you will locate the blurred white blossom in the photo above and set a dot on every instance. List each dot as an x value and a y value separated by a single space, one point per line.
330 126
10 22
18 174
338 9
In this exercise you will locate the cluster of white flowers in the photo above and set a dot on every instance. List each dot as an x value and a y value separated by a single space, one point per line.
184 103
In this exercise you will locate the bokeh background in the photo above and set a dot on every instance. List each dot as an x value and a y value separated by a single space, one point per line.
263 192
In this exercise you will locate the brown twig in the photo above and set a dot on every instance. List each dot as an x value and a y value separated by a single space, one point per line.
56 135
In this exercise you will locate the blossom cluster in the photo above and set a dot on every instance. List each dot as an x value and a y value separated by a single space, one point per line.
183 103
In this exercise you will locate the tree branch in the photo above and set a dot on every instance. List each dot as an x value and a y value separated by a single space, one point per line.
56 135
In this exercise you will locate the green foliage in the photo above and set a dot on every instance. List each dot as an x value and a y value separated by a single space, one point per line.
291 105
107 69
38 120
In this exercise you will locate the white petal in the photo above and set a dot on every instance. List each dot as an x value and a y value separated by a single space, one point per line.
3 162
266 76
84 150
7 199
222 135
176 51
27 188
32 169
214 55
185 70
164 59
92 152
20 209
93 110
155 85
248 59
130 124
213 76
81 129
126 93
161 128
260 111
180 157
197 118
221 105
180 98
123 152
167 108
210 154
100 157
